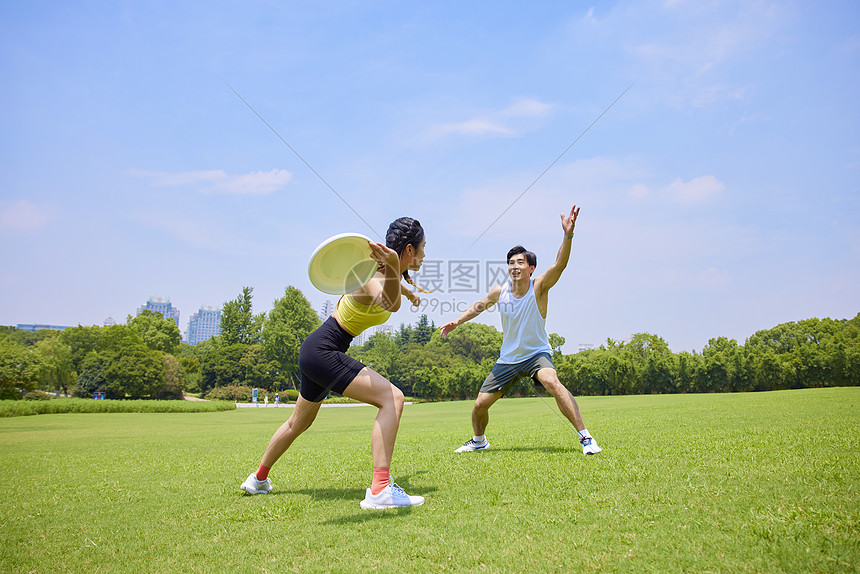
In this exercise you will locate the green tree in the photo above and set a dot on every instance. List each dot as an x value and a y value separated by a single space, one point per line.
115 338
556 342
174 379
405 335
24 338
82 341
770 370
237 364
55 364
220 366
289 323
687 378
238 323
18 369
381 354
642 344
91 376
135 372
721 369
475 342
423 331
157 333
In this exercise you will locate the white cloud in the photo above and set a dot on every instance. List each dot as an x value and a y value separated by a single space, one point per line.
256 182
511 121
217 181
476 127
23 216
695 190
528 108
691 60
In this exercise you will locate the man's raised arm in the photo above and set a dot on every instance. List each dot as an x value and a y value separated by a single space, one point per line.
551 276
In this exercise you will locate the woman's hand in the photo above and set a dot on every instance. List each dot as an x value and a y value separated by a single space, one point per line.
413 298
384 255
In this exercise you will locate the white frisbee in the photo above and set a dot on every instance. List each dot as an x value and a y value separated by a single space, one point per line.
341 264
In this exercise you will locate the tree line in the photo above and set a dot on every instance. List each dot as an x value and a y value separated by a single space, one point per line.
145 359
808 353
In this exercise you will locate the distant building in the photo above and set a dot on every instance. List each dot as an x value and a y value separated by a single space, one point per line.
34 328
327 309
585 347
161 305
362 338
203 325
109 321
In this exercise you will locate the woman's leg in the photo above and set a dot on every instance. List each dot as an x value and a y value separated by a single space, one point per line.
303 416
372 388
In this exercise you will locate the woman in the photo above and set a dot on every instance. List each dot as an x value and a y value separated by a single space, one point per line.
325 366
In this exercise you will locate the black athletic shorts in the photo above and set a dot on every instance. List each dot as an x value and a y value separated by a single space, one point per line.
504 375
323 362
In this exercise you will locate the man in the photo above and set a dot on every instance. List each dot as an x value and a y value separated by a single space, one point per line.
525 345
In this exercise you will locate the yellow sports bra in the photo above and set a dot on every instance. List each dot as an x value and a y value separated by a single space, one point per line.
355 317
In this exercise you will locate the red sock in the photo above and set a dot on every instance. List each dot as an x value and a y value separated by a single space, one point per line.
262 472
380 480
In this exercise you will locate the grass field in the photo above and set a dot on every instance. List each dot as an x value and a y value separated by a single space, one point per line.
755 482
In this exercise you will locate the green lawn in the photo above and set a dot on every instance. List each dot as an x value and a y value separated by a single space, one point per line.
756 482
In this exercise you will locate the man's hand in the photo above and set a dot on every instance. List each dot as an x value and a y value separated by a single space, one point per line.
569 222
447 328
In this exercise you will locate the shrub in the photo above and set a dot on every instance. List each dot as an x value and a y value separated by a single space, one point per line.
9 394
171 391
63 405
79 392
235 393
37 396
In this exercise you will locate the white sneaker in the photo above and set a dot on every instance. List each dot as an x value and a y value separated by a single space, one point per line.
472 445
254 486
589 445
392 496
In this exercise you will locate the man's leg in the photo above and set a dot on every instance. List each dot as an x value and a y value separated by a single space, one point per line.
564 399
548 377
481 411
480 419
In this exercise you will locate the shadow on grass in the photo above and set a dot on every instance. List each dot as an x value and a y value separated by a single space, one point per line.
329 493
546 449
342 493
368 515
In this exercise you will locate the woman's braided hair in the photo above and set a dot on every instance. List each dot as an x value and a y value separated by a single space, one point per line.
402 232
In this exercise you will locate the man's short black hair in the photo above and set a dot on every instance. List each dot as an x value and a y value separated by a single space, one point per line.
531 258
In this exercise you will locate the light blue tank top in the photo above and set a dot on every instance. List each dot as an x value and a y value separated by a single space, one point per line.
524 330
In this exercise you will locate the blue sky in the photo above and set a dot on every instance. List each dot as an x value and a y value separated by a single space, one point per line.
719 196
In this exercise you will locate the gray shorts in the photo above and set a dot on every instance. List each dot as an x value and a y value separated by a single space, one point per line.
504 375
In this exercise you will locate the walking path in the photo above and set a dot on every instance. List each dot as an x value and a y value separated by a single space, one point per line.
293 405
286 405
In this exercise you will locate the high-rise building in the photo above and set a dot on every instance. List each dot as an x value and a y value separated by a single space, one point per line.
161 305
327 309
203 325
